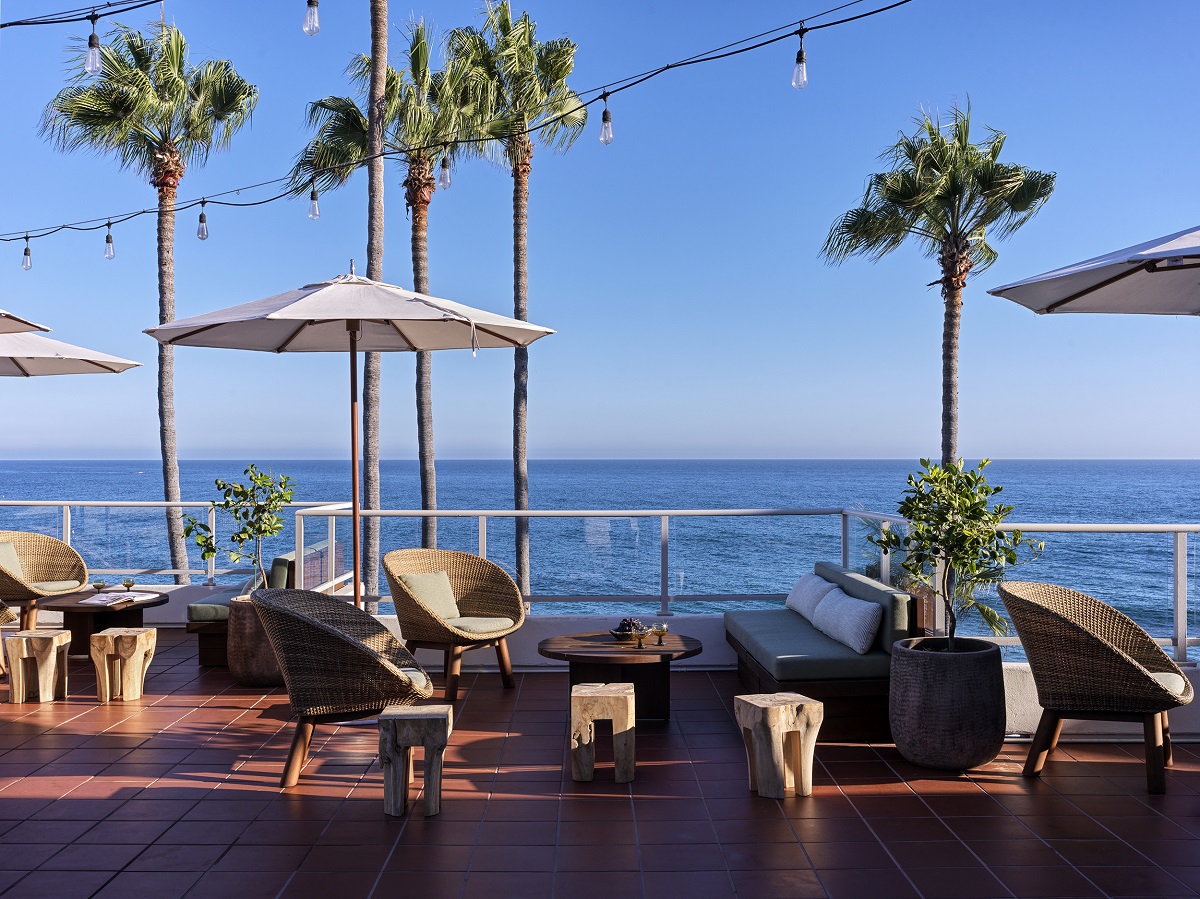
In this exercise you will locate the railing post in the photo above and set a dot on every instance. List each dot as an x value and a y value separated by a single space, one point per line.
1181 597
66 525
885 559
483 536
299 550
845 540
211 564
331 550
664 575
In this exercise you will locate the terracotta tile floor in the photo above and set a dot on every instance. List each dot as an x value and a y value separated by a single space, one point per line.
176 795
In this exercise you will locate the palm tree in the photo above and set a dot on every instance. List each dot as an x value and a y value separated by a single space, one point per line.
157 114
521 84
423 112
945 192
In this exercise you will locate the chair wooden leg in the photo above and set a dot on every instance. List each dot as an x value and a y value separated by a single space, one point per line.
29 617
299 752
1168 759
1156 774
1044 741
453 670
506 672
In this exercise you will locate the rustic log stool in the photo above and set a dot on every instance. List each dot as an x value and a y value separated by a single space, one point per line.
122 657
780 732
45 652
597 702
401 728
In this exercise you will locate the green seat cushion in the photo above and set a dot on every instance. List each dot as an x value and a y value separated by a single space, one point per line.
434 592
9 561
417 676
790 648
56 586
214 609
1170 681
480 625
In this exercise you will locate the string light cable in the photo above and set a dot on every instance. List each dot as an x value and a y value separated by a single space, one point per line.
84 14
601 94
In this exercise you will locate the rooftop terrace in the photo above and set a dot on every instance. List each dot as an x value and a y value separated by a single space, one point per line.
177 795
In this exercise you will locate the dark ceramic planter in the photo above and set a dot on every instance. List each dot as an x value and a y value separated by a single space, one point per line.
252 661
947 708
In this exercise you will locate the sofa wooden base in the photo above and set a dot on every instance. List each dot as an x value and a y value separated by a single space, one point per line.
856 711
212 642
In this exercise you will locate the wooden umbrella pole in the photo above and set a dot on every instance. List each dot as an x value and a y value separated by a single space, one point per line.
355 501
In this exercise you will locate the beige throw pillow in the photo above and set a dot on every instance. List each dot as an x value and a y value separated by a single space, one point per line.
434 592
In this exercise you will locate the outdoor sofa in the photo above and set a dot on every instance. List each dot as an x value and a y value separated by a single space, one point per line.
781 650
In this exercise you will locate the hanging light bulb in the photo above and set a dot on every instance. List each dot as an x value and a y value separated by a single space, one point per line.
606 132
314 210
109 251
800 73
91 62
202 228
312 21
444 172
27 260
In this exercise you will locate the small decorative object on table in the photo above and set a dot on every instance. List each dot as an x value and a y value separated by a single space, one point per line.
659 629
127 583
630 629
99 586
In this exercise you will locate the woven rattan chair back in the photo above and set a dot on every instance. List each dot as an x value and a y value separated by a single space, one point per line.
43 559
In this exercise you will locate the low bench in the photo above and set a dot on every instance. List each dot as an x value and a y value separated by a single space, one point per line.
208 620
780 651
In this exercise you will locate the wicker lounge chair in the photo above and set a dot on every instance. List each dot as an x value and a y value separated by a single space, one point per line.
489 604
338 663
1091 662
48 567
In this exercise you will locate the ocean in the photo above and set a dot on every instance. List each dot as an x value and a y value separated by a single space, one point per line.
619 556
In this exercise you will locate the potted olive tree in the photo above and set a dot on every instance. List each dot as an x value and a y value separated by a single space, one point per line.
946 701
255 508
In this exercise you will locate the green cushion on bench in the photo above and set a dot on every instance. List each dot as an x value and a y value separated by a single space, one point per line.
790 648
213 609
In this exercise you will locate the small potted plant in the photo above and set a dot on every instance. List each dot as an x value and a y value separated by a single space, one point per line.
946 703
255 508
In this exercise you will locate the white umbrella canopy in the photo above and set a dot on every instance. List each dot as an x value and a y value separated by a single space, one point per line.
25 355
1153 278
14 324
349 313
312 319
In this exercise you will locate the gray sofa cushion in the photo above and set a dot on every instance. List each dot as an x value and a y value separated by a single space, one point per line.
807 594
854 622
790 648
896 604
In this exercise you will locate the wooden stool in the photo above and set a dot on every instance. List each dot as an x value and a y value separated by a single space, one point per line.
122 657
597 702
46 653
780 732
401 728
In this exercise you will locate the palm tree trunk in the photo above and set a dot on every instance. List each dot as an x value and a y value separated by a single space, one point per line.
521 168
955 260
166 379
371 367
418 190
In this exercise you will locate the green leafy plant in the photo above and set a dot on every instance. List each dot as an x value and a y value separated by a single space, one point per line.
950 521
255 508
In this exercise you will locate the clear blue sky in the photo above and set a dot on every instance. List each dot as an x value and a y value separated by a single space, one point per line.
679 265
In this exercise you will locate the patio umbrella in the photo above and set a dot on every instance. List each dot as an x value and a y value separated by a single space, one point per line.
349 313
24 355
1154 278
12 324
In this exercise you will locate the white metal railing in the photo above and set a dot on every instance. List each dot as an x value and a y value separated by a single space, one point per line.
1179 640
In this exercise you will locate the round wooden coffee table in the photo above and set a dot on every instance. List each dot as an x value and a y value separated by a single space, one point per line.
602 659
84 619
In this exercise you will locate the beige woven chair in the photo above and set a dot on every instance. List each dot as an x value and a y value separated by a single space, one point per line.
482 590
48 566
338 663
1091 662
